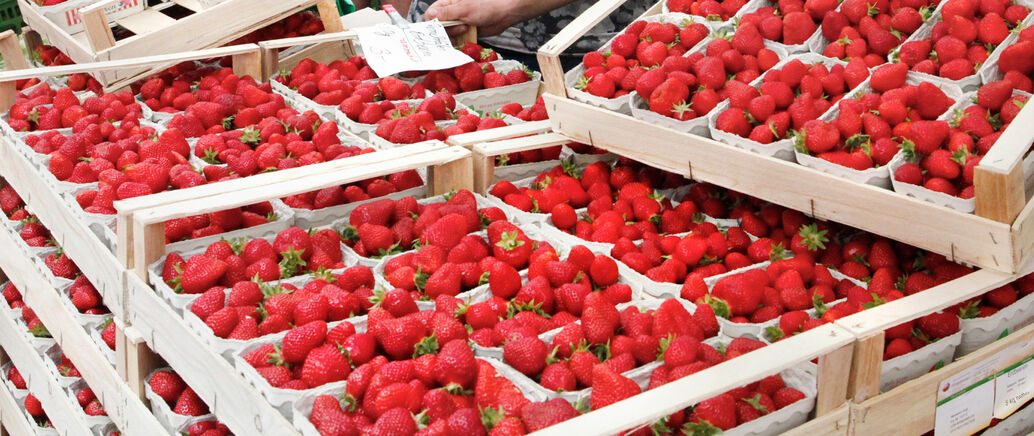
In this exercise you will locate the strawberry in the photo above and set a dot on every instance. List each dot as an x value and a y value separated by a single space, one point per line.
610 387
526 354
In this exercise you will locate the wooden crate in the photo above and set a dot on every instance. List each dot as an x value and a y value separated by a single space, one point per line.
123 405
830 344
998 236
909 409
487 144
12 420
158 33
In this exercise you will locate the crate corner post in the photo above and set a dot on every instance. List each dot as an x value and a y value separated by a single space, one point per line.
95 25
456 174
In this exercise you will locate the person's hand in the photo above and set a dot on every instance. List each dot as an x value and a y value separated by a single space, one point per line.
491 17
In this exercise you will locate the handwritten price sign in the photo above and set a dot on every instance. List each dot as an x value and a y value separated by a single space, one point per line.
419 46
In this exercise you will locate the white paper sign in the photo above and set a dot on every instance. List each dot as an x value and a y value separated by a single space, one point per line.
420 46
966 412
1013 387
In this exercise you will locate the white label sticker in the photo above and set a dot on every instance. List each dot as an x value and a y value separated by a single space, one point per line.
1013 387
421 46
967 411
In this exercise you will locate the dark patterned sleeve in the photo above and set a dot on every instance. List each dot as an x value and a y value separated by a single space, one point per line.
528 36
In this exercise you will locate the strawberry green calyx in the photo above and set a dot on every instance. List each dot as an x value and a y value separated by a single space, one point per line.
580 84
818 304
702 428
721 307
491 416
960 156
291 262
420 279
660 427
509 241
602 351
529 306
427 345
322 273
755 402
908 149
502 160
813 238
778 253
39 330
857 140
483 279
663 346
569 167
349 233
876 301
251 136
773 333
970 311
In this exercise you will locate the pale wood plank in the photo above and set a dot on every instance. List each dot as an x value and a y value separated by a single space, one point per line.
468 140
146 21
835 423
866 367
95 26
11 50
330 16
451 176
999 196
248 64
833 376
484 172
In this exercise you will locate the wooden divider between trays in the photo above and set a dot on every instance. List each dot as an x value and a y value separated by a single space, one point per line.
484 155
991 238
123 406
156 32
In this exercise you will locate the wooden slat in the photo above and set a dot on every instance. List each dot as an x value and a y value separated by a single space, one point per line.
866 367
651 405
468 140
60 407
121 403
262 191
1023 233
834 423
79 52
95 26
214 26
517 145
146 21
833 376
909 408
999 196
330 16
193 5
164 59
961 237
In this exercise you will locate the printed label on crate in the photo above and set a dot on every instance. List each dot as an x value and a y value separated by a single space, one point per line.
965 402
1013 387
967 411
417 47
73 16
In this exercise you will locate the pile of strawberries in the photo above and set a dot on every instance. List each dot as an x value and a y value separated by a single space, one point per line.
961 42
434 270
85 297
787 98
704 252
475 76
11 204
639 49
352 80
13 296
555 293
51 56
177 395
210 427
43 108
535 112
733 408
401 123
791 22
35 410
89 402
292 253
33 233
198 226
620 202
251 309
860 139
870 29
221 101
355 192
304 23
713 10
996 299
943 158
382 227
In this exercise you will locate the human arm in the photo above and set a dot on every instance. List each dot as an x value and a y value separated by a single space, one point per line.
491 17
